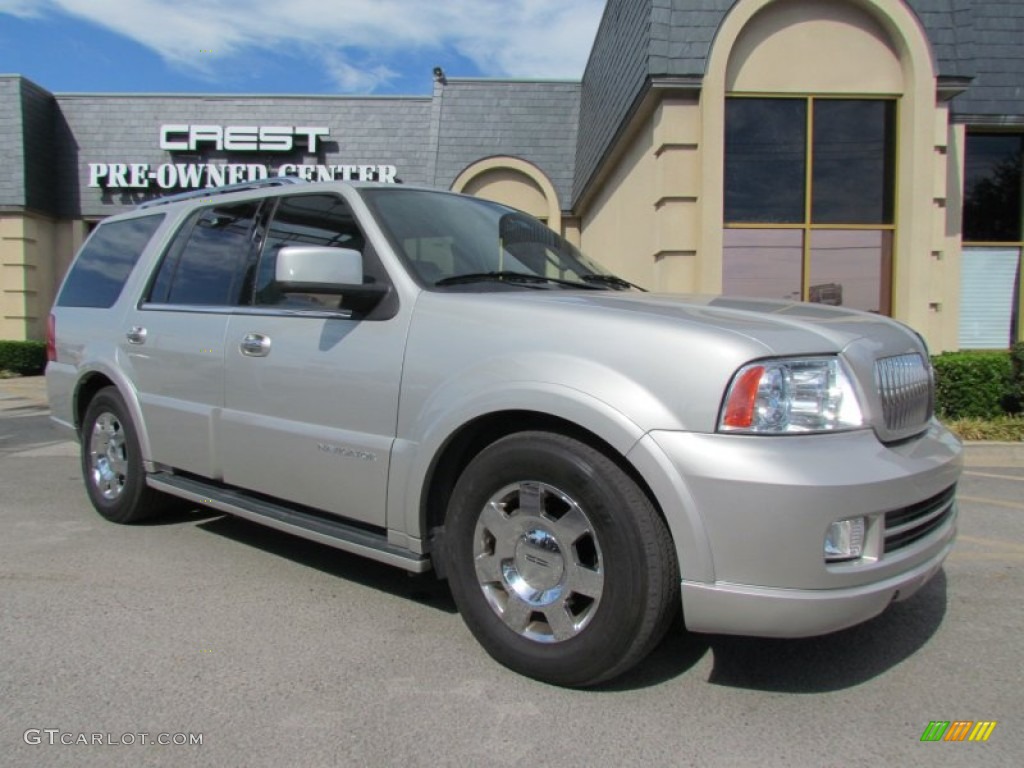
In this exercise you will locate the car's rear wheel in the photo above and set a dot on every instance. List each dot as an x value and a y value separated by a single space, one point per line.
112 462
561 566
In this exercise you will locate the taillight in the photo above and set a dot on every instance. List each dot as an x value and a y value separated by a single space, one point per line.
51 338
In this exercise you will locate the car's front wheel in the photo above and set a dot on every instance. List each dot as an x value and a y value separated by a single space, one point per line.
559 563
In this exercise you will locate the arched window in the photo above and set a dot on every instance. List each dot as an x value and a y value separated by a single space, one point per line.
813 95
809 199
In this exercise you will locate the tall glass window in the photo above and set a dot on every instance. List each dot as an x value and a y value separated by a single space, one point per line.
810 199
990 270
765 160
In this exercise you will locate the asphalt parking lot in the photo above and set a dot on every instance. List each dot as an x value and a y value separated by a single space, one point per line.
276 651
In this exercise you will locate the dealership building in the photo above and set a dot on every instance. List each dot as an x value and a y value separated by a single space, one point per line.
865 153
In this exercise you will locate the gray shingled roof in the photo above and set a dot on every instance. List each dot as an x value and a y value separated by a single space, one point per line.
26 144
534 121
993 32
12 180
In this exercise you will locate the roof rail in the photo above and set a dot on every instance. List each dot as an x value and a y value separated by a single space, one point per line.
274 181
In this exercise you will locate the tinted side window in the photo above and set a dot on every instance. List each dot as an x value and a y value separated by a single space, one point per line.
106 260
209 260
304 220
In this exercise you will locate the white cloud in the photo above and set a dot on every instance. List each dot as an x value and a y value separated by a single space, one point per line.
352 79
353 40
24 8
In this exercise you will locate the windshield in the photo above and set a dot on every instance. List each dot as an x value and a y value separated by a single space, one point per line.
453 240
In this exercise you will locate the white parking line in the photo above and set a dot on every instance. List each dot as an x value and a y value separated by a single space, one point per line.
994 477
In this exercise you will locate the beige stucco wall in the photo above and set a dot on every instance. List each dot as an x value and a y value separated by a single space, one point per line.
816 46
943 325
617 228
34 253
644 221
504 185
571 230
26 248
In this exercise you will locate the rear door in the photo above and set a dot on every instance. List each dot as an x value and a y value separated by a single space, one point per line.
311 391
174 340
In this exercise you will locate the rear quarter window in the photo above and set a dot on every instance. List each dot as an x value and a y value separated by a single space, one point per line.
106 260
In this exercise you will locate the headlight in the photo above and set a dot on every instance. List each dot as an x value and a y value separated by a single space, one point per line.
776 397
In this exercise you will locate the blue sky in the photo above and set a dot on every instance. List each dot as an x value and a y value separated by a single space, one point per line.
290 46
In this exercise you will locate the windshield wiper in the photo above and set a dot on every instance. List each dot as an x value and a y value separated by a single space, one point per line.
612 280
506 276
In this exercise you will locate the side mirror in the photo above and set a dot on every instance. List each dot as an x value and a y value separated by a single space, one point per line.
325 270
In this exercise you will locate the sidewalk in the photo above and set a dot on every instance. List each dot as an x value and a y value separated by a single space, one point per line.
31 391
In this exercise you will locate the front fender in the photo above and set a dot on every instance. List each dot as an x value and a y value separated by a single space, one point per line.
414 457
414 454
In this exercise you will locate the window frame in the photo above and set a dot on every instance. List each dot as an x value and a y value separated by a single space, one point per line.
68 284
387 308
807 226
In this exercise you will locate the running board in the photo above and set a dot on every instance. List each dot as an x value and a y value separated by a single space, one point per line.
333 533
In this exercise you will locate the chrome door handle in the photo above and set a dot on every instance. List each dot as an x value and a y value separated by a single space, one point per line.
255 345
136 335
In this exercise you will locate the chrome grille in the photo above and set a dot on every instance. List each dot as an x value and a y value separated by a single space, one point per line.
905 385
905 526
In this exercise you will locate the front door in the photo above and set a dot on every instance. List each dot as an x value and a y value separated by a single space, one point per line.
311 396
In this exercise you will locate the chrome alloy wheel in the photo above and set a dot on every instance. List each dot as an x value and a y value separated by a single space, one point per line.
108 458
538 562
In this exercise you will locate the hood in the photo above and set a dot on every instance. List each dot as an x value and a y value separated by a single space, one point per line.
778 327
639 351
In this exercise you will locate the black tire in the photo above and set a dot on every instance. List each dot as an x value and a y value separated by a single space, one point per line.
112 462
559 563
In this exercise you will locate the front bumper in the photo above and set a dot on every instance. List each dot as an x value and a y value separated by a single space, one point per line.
737 609
749 516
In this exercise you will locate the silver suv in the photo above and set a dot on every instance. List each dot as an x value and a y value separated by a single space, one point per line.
440 382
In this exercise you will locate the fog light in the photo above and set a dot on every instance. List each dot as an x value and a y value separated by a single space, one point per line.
844 540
